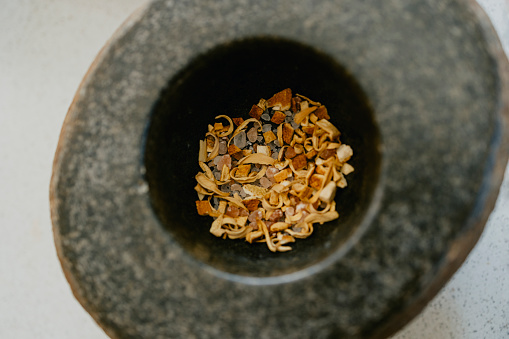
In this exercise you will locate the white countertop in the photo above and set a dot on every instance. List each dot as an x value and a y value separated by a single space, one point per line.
45 49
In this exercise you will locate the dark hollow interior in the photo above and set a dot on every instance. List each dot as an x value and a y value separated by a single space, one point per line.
229 79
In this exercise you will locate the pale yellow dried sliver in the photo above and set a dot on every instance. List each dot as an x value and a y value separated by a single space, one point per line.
281 153
222 206
315 103
216 228
207 170
250 178
229 220
280 248
202 154
317 144
303 234
333 145
286 199
293 218
200 190
262 104
301 134
270 207
336 175
238 234
225 174
299 117
323 140
329 207
257 158
230 128
236 200
279 187
209 185
242 126
219 182
306 122
263 227
281 166
310 173
253 236
329 128
296 140
282 239
215 149
321 217
308 144
279 226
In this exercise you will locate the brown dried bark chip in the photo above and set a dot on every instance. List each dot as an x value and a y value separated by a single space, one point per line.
299 162
251 204
309 130
287 133
282 99
269 136
278 117
315 181
203 207
295 107
290 152
237 121
321 113
311 154
238 155
256 112
326 154
232 149
243 170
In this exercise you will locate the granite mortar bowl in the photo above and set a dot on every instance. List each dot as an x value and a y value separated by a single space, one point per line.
418 88
234 75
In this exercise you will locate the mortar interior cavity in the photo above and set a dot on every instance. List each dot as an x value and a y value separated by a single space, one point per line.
228 80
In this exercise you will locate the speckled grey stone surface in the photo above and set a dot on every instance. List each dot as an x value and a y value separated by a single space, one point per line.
439 91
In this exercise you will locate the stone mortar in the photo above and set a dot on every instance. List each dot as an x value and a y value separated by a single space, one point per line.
438 83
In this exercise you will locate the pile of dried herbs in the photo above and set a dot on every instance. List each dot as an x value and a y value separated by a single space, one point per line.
271 177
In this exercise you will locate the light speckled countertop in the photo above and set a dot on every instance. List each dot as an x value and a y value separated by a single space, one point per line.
45 49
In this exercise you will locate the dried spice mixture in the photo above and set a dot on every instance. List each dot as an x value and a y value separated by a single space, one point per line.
271 177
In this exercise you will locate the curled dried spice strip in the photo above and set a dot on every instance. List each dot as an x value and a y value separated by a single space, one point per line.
215 149
230 128
257 158
282 176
